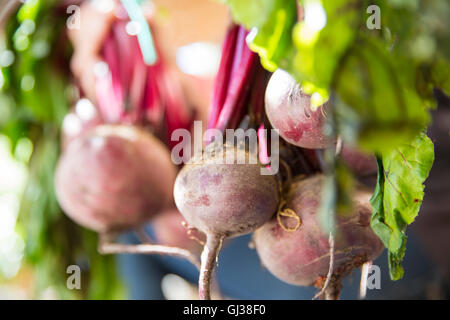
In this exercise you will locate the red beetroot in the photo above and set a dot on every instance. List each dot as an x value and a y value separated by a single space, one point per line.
302 257
288 109
223 200
114 177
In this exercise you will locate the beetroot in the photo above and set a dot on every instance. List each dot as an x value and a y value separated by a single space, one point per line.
223 200
114 177
169 230
302 257
289 110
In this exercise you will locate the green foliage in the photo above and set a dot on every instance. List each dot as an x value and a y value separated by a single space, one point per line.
35 95
382 79
251 13
271 23
271 40
319 51
398 195
385 109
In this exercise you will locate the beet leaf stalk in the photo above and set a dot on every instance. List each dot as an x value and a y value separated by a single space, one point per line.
223 75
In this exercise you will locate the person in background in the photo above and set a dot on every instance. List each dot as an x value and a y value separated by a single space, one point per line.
179 25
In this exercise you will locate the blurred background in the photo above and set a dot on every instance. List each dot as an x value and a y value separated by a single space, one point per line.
38 242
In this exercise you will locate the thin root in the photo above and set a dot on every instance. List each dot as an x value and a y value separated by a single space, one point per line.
330 268
107 245
191 233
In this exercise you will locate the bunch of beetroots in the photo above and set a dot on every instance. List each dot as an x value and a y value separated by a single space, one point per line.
115 172
299 251
226 199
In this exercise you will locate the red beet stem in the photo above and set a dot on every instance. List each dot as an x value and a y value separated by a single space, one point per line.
125 47
177 114
239 86
137 85
112 59
263 155
258 91
152 98
108 88
153 101
223 75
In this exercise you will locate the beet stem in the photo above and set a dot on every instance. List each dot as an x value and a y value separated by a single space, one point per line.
107 246
238 87
208 261
258 91
223 75
263 155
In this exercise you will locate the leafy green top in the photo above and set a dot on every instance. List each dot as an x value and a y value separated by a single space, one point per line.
398 195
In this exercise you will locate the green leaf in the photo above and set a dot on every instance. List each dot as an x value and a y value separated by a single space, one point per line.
440 74
29 10
271 23
273 39
251 13
319 51
376 103
398 195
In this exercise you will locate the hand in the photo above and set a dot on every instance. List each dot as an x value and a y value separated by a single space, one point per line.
87 42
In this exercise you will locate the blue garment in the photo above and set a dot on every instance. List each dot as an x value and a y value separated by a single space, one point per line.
241 275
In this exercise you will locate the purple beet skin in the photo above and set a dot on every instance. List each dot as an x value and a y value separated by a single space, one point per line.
302 257
114 177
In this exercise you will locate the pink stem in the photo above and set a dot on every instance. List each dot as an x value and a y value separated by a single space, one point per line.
177 115
137 85
152 99
223 75
108 91
125 48
110 53
263 155
239 86
259 89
